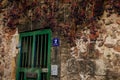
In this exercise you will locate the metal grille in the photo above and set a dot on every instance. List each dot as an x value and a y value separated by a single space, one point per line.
26 53
34 58
41 51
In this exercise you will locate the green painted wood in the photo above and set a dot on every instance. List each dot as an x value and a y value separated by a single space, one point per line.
33 50
37 52
30 52
41 51
45 51
49 54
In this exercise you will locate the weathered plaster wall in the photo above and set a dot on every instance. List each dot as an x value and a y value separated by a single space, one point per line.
86 60
8 42
101 62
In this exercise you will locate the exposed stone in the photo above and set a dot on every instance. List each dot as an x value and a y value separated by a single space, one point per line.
100 67
75 77
108 22
118 21
8 43
117 48
1 70
109 42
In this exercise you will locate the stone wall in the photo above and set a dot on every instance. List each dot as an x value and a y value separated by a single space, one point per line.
8 43
100 62
93 56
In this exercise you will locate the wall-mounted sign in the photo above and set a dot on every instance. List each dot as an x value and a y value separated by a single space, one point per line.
55 42
54 70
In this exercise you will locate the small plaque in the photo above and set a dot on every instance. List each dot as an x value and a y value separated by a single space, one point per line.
55 42
31 75
54 70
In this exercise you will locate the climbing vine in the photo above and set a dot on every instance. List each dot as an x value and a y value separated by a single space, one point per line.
67 15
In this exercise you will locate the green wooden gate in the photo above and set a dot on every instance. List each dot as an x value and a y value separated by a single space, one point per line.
34 56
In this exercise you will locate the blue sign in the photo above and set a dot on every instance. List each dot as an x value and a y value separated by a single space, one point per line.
55 42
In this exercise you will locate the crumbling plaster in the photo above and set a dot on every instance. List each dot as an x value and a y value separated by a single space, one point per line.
78 62
8 43
106 66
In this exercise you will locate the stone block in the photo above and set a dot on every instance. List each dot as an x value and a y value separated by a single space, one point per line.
1 69
118 21
117 48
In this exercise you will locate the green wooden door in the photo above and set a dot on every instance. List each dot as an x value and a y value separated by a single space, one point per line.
34 56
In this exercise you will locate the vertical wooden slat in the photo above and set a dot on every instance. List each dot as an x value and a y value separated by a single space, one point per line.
45 50
33 50
38 51
35 55
30 50
22 57
26 51
41 55
36 60
23 52
38 47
